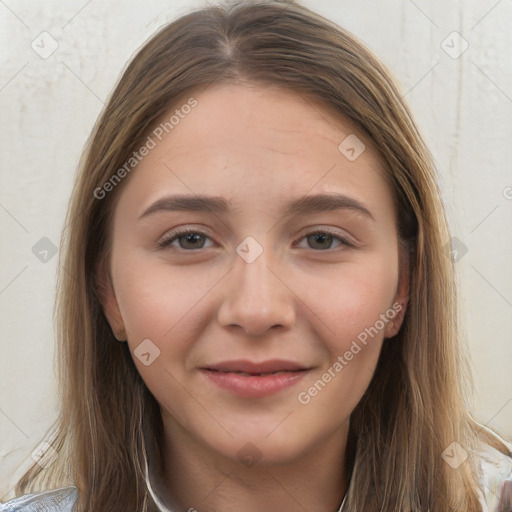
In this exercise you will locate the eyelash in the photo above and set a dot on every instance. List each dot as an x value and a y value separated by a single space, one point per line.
168 239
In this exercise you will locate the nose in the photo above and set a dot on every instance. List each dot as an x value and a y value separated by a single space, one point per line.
257 297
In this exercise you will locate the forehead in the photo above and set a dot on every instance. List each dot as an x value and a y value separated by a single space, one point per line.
269 121
255 144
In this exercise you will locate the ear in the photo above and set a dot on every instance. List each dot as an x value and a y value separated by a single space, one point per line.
401 299
107 298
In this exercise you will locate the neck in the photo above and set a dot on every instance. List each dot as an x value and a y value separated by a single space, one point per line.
199 478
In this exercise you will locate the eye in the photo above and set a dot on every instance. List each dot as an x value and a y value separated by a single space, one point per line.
190 240
322 239
187 239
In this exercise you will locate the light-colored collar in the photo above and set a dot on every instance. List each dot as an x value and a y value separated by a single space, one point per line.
152 464
342 506
154 481
163 508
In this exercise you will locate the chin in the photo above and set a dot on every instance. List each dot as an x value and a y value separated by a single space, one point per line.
252 446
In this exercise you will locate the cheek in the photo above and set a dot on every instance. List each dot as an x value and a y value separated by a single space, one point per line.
352 301
351 333
158 300
161 302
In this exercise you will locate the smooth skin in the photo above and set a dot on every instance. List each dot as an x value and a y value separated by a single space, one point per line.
304 299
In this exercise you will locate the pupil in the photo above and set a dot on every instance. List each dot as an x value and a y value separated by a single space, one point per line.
320 238
323 237
192 238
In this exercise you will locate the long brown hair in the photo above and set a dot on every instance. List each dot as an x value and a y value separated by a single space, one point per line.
417 403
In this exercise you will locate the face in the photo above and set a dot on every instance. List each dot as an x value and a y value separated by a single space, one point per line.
252 321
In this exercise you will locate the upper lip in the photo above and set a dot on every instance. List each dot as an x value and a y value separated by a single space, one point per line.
270 366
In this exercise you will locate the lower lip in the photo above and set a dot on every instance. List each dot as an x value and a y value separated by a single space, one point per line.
254 386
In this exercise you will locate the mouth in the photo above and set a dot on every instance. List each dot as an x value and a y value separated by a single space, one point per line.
262 374
252 368
255 380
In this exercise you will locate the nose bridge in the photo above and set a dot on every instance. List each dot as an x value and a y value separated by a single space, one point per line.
256 299
254 277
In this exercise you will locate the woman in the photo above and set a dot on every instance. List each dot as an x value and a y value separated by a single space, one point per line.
257 222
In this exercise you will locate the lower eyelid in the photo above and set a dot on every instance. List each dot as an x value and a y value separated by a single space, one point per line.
166 242
344 241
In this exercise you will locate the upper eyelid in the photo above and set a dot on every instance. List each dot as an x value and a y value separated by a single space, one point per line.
178 232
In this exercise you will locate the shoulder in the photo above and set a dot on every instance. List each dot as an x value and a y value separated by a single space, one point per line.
495 467
56 500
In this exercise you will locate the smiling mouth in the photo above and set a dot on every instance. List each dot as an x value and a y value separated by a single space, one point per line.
248 379
260 374
268 367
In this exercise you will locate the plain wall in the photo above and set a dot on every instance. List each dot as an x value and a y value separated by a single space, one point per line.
463 106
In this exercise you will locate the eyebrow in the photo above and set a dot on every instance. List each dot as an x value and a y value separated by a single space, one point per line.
303 206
